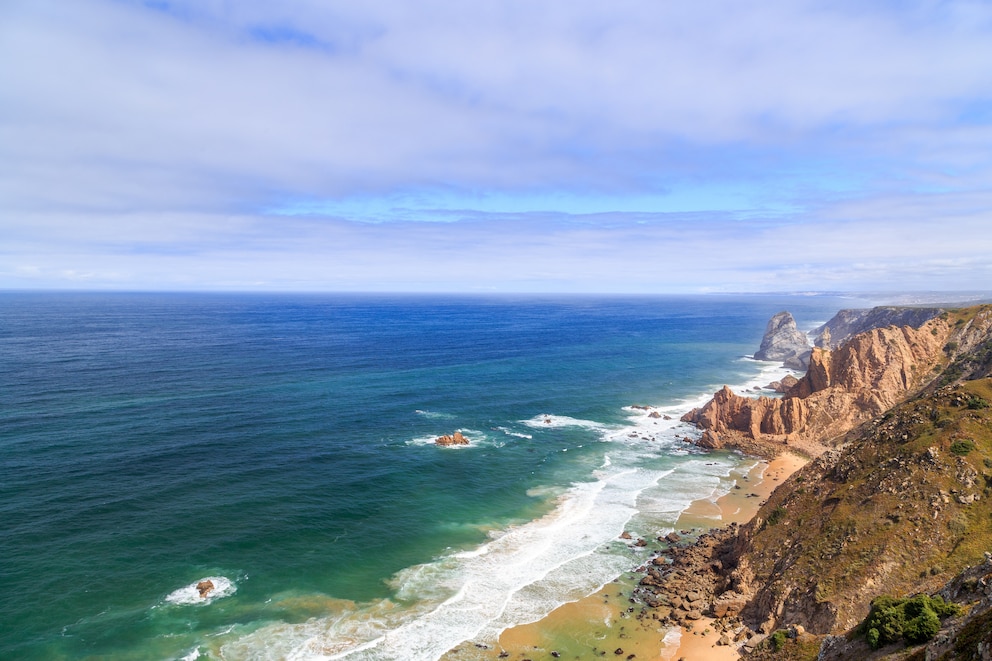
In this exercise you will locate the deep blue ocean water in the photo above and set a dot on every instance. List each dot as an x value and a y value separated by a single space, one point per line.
282 446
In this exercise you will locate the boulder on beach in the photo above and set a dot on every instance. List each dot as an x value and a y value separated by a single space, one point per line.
454 439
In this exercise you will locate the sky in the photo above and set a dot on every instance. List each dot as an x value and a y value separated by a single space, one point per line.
632 146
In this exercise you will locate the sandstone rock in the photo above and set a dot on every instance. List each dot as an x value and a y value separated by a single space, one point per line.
784 385
783 341
673 538
847 323
454 439
729 604
840 389
654 414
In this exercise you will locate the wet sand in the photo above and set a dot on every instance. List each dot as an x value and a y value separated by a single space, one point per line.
609 625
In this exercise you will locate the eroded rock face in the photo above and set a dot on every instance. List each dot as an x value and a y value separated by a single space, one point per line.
841 389
847 323
454 439
783 341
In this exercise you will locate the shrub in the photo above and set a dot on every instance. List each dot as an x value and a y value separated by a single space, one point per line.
976 403
963 447
921 628
915 620
777 515
777 640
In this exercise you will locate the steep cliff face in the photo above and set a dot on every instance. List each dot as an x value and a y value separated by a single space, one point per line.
841 389
848 323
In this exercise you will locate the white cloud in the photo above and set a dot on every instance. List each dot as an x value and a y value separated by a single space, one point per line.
152 137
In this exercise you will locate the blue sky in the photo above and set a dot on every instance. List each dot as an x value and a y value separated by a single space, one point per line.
557 146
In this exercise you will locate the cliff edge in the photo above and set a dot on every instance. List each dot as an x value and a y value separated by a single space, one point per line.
842 388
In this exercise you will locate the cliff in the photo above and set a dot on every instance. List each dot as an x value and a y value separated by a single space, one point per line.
847 323
841 389
899 506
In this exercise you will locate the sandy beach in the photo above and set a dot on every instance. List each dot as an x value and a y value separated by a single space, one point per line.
609 624
740 506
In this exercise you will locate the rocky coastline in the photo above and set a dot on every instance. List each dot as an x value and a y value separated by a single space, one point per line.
899 422
878 487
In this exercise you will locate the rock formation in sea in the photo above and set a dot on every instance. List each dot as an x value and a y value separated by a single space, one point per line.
453 439
784 341
205 587
784 385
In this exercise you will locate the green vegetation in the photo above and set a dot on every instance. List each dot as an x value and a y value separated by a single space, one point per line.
777 640
976 403
777 515
915 620
963 447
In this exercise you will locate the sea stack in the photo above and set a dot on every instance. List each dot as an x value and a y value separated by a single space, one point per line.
784 341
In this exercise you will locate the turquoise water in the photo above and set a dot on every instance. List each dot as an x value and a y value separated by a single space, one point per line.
282 446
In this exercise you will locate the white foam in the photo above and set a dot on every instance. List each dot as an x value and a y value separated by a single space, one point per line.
190 595
518 576
192 656
517 434
434 414
550 421
670 643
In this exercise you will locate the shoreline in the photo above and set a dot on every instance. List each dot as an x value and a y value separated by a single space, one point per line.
610 623
739 506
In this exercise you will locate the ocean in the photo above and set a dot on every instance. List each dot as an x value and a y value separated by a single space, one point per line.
281 446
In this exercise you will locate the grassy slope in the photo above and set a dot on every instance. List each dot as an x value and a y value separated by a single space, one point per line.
901 509
887 518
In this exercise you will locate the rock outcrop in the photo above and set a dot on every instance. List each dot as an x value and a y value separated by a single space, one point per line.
453 439
783 386
841 389
205 587
847 323
784 341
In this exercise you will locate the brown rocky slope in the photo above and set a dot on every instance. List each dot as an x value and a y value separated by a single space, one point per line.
900 505
841 389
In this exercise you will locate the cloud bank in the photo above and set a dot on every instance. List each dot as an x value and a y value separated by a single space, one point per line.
554 146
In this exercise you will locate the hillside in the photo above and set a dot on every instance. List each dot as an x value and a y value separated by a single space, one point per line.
899 505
